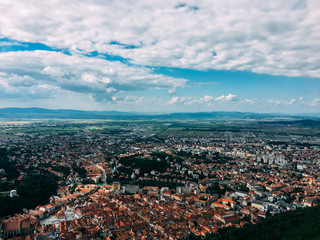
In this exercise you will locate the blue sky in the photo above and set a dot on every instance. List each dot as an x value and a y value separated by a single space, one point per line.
161 56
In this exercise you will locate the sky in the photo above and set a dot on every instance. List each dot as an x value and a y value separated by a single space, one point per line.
161 55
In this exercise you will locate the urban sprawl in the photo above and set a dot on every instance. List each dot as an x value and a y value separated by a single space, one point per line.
135 183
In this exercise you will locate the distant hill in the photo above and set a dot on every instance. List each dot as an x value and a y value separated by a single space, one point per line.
215 115
298 123
41 113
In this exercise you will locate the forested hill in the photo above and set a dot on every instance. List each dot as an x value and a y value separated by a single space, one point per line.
301 224
34 189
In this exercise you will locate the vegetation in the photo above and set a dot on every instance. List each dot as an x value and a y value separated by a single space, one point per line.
62 169
301 224
33 190
87 181
215 189
145 165
11 171
80 170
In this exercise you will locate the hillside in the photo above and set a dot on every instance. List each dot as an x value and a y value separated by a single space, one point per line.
301 224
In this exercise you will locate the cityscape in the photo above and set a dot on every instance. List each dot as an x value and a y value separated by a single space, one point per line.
154 179
159 120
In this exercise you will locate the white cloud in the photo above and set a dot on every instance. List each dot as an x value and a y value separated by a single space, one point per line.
172 91
285 102
225 98
206 100
276 102
180 100
174 100
136 100
292 101
24 72
272 37
315 102
111 89
249 101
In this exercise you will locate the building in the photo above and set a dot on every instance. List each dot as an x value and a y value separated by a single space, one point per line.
115 186
130 188
17 227
13 193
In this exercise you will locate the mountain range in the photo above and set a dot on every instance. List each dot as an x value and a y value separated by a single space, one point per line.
42 113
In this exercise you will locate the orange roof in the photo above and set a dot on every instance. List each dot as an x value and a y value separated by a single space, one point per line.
220 205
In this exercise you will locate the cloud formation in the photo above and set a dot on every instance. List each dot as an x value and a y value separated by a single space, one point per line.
130 53
232 100
272 37
207 100
315 102
43 74
226 98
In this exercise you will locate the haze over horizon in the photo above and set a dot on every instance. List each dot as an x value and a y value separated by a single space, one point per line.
161 56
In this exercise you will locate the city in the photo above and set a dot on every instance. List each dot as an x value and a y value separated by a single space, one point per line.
162 119
157 179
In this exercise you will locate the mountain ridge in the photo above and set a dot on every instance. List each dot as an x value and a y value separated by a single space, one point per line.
44 113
